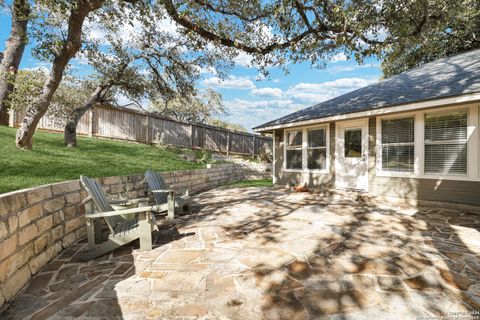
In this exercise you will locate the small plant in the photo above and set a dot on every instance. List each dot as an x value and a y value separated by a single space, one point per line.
203 157
291 185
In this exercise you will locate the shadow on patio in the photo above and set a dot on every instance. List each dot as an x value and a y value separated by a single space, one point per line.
263 253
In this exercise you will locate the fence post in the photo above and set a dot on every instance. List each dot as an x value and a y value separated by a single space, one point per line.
147 128
191 136
228 143
90 123
253 150
11 118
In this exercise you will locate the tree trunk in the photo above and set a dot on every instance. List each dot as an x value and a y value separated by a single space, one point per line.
70 132
70 47
12 56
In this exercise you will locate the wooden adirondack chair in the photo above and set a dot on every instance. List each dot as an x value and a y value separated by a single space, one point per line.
122 229
164 197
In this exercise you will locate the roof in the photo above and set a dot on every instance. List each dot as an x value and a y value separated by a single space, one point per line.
446 77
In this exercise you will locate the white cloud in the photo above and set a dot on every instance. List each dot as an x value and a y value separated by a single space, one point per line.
278 102
232 82
169 26
336 69
318 92
267 92
377 34
343 83
243 59
338 57
252 113
206 70
44 68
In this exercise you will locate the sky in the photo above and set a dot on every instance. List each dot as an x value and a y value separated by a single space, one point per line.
251 102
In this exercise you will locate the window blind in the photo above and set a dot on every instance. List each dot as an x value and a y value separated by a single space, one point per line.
446 126
446 142
398 131
398 149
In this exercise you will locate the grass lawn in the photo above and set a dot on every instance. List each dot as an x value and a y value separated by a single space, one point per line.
50 161
252 183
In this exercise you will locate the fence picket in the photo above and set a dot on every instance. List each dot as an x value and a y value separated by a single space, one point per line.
144 127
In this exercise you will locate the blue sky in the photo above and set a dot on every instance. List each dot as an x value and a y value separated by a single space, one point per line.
251 102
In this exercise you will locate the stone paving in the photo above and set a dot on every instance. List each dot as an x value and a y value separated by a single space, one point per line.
266 253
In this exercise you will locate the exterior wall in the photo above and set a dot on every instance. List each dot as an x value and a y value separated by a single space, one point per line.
37 224
454 191
311 179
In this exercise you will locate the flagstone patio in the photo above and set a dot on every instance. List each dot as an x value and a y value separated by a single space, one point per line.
266 253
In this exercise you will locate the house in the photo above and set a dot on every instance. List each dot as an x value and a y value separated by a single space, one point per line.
414 136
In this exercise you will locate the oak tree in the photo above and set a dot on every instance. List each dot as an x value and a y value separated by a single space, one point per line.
12 56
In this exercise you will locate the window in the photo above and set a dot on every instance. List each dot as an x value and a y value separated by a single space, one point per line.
446 142
398 149
294 149
353 143
317 149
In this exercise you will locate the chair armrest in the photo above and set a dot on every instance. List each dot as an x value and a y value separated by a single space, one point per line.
119 212
186 193
165 190
84 201
137 200
118 201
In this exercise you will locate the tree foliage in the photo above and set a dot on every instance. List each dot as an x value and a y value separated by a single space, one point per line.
193 108
453 27
227 125
71 93
274 32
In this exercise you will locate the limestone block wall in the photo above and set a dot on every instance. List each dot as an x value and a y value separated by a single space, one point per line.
37 224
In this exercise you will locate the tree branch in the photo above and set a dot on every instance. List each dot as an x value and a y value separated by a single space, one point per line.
210 7
172 11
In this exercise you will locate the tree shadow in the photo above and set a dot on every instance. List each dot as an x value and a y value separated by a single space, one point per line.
69 288
316 255
379 262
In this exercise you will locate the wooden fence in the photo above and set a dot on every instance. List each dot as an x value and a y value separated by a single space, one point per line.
131 125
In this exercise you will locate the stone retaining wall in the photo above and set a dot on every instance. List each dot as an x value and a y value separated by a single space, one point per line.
37 224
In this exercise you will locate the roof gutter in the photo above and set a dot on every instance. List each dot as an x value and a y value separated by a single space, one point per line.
465 98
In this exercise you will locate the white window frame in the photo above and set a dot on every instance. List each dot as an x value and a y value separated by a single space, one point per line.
300 147
305 149
380 171
441 142
473 147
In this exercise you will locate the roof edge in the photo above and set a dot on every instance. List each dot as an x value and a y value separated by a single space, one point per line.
464 98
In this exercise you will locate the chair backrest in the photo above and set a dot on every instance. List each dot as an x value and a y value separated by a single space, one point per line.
155 182
100 200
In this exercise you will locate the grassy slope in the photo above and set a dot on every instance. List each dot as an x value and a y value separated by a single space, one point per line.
50 161
252 183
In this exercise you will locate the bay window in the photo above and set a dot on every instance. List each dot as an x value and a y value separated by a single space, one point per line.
446 142
398 145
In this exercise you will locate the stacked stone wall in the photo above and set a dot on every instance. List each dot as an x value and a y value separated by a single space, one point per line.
37 224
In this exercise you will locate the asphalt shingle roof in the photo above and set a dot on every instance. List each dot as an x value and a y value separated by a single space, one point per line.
446 77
